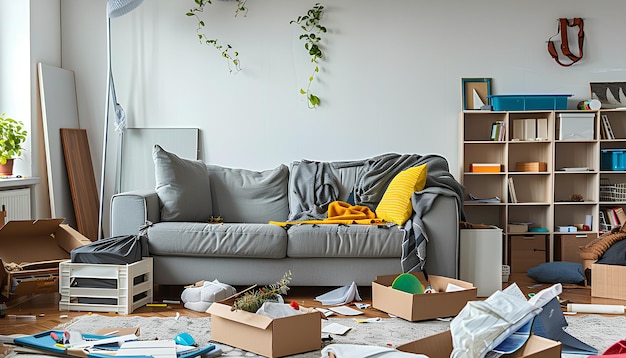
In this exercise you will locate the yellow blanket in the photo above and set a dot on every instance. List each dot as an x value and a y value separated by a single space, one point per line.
340 212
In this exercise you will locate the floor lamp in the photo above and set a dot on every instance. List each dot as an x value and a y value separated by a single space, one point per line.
115 8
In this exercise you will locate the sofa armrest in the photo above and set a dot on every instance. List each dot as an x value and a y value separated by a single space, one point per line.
130 210
441 224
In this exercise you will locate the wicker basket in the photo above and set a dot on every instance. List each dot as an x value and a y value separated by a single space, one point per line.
612 192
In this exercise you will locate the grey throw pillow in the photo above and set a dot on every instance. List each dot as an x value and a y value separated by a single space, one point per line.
182 186
248 196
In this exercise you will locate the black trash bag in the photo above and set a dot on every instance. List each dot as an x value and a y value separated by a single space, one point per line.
117 250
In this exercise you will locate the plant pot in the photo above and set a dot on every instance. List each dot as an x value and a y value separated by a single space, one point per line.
7 169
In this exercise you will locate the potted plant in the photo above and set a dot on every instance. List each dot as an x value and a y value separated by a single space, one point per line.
12 137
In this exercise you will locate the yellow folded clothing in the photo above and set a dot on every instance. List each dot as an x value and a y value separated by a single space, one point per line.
340 212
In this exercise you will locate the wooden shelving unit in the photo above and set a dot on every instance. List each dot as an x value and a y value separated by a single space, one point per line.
567 193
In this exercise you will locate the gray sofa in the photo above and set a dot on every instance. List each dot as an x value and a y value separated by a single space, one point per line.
247 249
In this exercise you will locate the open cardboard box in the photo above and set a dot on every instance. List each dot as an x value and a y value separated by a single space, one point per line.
262 335
419 307
440 346
38 247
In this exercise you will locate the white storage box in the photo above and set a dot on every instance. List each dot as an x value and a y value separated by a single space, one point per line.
480 259
115 288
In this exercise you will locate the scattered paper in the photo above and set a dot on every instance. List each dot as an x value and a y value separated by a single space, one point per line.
340 296
362 305
452 288
325 312
336 328
165 348
346 311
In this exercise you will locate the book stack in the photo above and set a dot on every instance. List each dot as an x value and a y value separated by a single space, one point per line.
498 131
613 217
606 130
512 193
530 129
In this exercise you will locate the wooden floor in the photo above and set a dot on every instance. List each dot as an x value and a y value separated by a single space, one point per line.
45 306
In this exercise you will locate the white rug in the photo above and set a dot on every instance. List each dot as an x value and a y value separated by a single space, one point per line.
597 331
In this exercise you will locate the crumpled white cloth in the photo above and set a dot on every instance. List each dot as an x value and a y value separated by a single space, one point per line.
361 351
277 310
200 298
482 325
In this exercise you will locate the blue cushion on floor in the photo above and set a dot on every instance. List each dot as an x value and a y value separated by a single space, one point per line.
558 272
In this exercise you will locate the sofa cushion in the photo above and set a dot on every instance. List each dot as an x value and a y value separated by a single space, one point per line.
217 240
247 196
182 186
395 206
331 240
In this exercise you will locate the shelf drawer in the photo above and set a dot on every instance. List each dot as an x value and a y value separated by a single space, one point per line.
566 246
526 251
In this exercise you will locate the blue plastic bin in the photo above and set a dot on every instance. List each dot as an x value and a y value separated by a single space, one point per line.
529 102
613 159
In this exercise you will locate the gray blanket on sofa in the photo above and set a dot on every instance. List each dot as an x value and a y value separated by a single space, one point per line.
317 187
377 175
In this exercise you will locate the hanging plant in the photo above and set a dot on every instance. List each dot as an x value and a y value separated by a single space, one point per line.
310 24
226 50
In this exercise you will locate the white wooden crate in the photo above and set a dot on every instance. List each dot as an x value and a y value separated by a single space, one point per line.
133 286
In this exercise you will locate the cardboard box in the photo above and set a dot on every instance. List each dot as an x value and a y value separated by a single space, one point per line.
440 346
263 335
607 281
531 167
485 168
517 228
421 307
38 246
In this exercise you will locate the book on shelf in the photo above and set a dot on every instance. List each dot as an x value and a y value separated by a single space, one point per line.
512 193
498 131
542 129
614 216
607 131
621 215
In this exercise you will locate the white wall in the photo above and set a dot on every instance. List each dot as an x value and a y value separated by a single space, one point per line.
29 33
390 81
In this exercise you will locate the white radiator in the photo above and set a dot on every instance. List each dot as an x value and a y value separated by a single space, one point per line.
16 202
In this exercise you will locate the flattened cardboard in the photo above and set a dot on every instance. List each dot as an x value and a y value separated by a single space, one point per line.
440 346
550 323
607 281
38 246
421 307
265 336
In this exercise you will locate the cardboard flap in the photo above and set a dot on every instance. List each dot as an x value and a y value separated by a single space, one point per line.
440 283
247 318
550 323
25 241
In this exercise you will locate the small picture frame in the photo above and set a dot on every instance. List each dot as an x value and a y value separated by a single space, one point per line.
610 94
476 92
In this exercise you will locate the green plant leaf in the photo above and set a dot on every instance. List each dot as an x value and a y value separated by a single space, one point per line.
314 100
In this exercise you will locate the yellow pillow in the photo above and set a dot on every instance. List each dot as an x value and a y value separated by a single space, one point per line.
395 206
